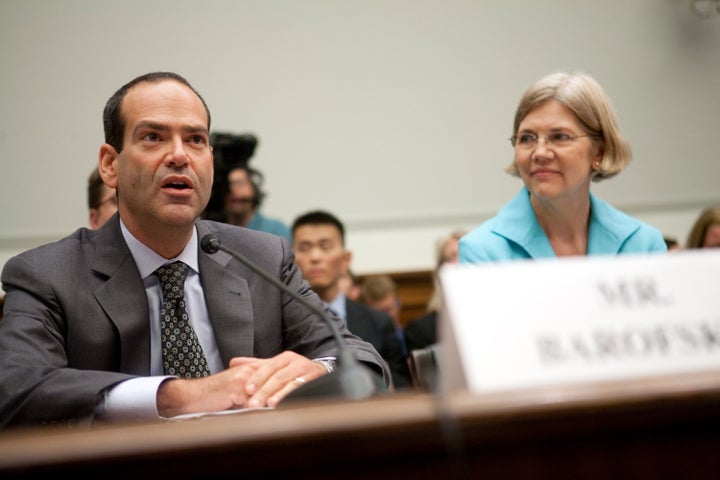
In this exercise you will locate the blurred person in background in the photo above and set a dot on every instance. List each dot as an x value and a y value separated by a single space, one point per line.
102 200
705 232
237 194
422 332
319 245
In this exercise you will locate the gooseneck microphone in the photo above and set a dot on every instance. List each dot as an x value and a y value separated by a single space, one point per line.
350 380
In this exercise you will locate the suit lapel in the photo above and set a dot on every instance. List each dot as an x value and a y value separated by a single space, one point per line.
227 297
351 315
122 296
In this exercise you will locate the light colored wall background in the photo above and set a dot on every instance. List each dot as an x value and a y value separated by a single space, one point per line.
393 114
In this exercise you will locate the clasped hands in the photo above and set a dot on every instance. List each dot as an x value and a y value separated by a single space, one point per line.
247 383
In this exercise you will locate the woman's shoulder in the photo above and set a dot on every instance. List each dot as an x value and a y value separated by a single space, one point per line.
635 233
484 244
650 236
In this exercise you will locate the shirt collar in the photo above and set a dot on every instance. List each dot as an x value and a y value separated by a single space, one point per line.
338 306
147 260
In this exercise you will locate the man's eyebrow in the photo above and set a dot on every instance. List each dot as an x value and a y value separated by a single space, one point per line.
196 129
149 125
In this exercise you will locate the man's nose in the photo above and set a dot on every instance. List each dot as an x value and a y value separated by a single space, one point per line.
177 155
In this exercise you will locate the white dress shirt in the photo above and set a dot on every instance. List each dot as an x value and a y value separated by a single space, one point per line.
136 399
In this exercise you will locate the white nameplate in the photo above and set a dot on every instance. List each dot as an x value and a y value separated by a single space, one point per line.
539 323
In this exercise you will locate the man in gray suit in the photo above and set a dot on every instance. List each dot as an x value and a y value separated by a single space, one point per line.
81 337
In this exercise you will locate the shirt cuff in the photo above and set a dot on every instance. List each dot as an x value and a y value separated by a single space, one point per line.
328 362
131 400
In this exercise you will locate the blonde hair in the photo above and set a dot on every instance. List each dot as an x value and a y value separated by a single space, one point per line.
434 302
710 216
587 100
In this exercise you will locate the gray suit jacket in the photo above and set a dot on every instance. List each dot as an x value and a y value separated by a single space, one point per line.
76 318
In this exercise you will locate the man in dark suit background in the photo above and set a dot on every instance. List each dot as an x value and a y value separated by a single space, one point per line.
80 338
319 244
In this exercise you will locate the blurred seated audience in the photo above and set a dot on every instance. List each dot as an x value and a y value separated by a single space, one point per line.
102 200
381 293
422 332
349 285
705 232
237 193
319 244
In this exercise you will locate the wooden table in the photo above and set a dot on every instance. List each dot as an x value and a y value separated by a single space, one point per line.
661 428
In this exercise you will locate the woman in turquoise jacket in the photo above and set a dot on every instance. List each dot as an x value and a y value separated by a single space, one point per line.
565 136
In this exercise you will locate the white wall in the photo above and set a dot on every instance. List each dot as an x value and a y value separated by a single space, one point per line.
393 114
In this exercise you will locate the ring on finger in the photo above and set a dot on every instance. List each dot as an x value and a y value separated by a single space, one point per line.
300 380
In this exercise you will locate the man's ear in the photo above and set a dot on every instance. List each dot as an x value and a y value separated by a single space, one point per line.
348 259
107 165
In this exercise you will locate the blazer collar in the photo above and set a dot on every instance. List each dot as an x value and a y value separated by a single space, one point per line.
609 228
520 226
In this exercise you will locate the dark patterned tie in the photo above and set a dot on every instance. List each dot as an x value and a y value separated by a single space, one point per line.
182 354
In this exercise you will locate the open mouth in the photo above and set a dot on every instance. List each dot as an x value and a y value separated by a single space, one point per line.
177 183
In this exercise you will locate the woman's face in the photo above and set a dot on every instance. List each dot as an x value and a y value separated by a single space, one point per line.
712 236
559 164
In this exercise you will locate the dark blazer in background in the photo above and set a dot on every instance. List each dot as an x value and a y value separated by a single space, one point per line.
378 328
77 322
421 332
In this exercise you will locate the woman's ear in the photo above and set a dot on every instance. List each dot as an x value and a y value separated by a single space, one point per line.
600 151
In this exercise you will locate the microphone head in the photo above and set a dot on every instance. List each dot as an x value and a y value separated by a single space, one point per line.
210 243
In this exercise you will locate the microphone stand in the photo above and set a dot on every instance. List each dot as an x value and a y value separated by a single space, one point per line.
350 379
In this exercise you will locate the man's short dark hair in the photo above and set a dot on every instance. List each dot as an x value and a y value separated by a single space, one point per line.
319 217
113 122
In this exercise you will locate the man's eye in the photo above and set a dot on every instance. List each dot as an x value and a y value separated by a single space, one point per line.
197 139
151 137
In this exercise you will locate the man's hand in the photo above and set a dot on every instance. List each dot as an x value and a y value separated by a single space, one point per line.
273 378
249 382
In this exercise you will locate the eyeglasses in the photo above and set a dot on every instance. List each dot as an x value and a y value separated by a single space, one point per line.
557 139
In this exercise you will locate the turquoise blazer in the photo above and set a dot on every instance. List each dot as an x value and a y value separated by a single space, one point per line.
514 233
